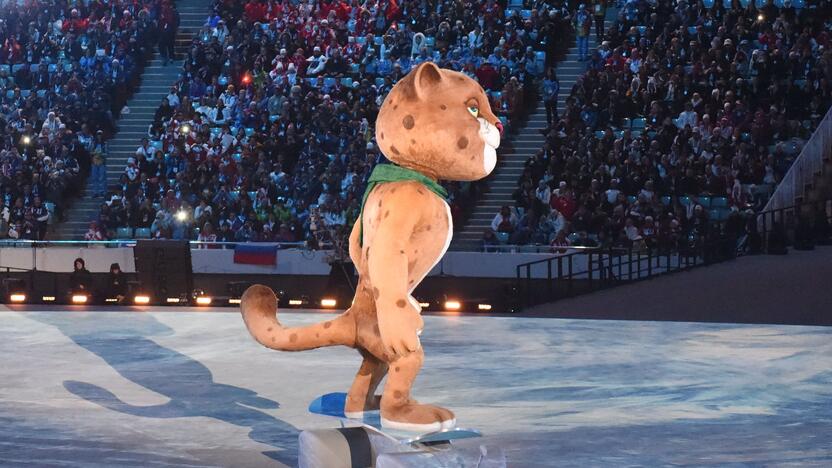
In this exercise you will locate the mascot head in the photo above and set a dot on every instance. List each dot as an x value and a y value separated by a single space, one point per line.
439 122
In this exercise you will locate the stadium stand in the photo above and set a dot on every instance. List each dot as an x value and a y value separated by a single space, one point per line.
686 118
66 69
268 133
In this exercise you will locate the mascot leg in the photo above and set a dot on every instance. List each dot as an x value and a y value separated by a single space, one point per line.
399 411
362 395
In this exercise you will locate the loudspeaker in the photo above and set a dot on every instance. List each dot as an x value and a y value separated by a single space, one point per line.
164 268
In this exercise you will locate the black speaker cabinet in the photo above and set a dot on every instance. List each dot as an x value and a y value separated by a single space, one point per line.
164 268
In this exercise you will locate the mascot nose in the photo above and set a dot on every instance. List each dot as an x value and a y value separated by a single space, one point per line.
499 126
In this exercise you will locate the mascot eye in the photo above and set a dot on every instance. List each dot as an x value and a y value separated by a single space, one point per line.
474 110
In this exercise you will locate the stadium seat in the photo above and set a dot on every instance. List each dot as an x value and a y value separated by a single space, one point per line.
636 133
502 237
691 30
430 42
234 195
515 4
639 123
34 67
25 92
9 94
713 215
631 199
719 202
347 82
708 3
704 201
626 123
379 82
6 68
378 40
361 40
666 200
249 131
67 67
525 14
252 195
642 30
52 68
17 67
599 134
142 233
685 200
799 4
329 82
124 233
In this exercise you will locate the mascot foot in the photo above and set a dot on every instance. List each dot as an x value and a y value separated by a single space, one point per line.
415 417
355 408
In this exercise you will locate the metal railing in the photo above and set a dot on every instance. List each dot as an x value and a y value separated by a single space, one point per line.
593 269
802 171
788 224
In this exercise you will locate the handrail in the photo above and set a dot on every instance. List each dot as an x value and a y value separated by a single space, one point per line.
610 266
804 167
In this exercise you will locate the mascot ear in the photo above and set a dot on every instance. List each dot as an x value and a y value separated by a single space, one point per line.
427 77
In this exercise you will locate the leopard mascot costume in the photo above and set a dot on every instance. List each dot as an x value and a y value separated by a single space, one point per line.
434 124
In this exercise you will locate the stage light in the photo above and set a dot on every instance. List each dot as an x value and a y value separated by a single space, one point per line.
26 139
185 129
17 298
235 301
295 302
453 305
173 300
328 302
141 299
484 306
79 298
204 300
48 298
181 215
760 17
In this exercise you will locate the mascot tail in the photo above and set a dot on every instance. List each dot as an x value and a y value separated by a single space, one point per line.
259 308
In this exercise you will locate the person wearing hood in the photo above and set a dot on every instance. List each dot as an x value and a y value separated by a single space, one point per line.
116 283
80 280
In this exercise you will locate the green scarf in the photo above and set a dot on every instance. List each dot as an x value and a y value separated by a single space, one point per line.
392 173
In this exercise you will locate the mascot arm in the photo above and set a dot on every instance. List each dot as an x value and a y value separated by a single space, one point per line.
393 223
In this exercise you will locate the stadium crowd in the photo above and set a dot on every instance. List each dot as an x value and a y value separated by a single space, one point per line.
66 69
268 134
688 114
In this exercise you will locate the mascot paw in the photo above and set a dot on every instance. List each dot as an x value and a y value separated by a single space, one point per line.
415 417
355 408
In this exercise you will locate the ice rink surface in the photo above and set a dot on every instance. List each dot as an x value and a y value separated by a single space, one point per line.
164 388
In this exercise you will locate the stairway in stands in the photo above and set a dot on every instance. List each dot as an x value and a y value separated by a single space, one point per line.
132 127
514 152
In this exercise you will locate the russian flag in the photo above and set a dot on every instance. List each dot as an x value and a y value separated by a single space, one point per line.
255 254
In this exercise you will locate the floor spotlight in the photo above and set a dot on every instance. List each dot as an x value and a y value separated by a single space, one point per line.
484 306
295 302
48 298
173 300
141 299
79 298
204 300
235 301
328 302
17 298
453 305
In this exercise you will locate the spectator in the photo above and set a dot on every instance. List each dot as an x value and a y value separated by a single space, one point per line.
80 280
505 221
116 283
